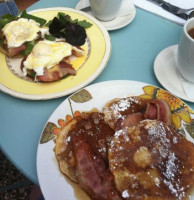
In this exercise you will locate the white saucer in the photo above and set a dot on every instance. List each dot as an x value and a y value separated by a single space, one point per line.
118 22
167 74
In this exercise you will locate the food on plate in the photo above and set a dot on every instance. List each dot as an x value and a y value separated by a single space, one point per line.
130 151
81 151
63 26
122 112
151 161
47 51
49 61
18 34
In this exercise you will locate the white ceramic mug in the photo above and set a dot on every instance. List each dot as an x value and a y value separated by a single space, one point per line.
105 10
185 56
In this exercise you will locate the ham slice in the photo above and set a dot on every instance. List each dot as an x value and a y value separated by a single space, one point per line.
92 173
160 110
57 72
130 120
17 50
11 51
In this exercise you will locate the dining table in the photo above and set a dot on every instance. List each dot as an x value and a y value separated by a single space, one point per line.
133 52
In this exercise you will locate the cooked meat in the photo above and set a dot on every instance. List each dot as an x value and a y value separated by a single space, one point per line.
92 172
159 109
57 72
12 52
16 51
130 120
93 128
123 112
116 110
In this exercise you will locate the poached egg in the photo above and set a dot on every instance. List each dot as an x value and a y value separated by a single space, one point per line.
20 31
46 54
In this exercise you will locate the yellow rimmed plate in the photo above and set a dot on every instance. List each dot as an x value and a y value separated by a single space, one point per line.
89 67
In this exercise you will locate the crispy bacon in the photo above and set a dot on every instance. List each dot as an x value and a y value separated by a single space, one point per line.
57 72
92 173
158 109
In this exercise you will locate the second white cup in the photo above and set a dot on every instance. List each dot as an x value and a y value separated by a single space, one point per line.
185 56
105 10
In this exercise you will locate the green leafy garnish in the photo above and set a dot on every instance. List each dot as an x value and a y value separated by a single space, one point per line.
49 37
5 19
25 15
64 18
29 47
84 24
48 23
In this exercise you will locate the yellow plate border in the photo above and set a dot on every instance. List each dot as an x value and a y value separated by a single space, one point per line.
86 81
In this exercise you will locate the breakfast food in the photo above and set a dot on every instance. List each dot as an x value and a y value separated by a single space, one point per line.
151 161
46 48
49 61
16 33
122 112
19 34
130 151
81 151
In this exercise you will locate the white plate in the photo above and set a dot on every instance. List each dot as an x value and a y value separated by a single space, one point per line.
53 184
12 82
118 22
167 74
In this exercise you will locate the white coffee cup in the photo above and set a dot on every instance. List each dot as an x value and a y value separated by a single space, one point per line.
105 10
185 55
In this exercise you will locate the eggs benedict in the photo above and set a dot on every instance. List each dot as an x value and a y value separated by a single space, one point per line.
49 61
17 34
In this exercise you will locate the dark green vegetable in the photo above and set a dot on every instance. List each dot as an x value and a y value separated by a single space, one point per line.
48 23
25 15
5 19
72 30
56 28
29 47
50 37
84 24
75 34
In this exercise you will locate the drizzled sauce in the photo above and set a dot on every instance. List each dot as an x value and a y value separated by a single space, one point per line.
152 161
95 130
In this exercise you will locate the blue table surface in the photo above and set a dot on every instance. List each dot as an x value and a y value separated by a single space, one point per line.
134 49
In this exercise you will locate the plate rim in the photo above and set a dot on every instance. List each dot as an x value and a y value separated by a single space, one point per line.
104 61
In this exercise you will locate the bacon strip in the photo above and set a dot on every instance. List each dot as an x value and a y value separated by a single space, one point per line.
92 173
57 72
160 110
